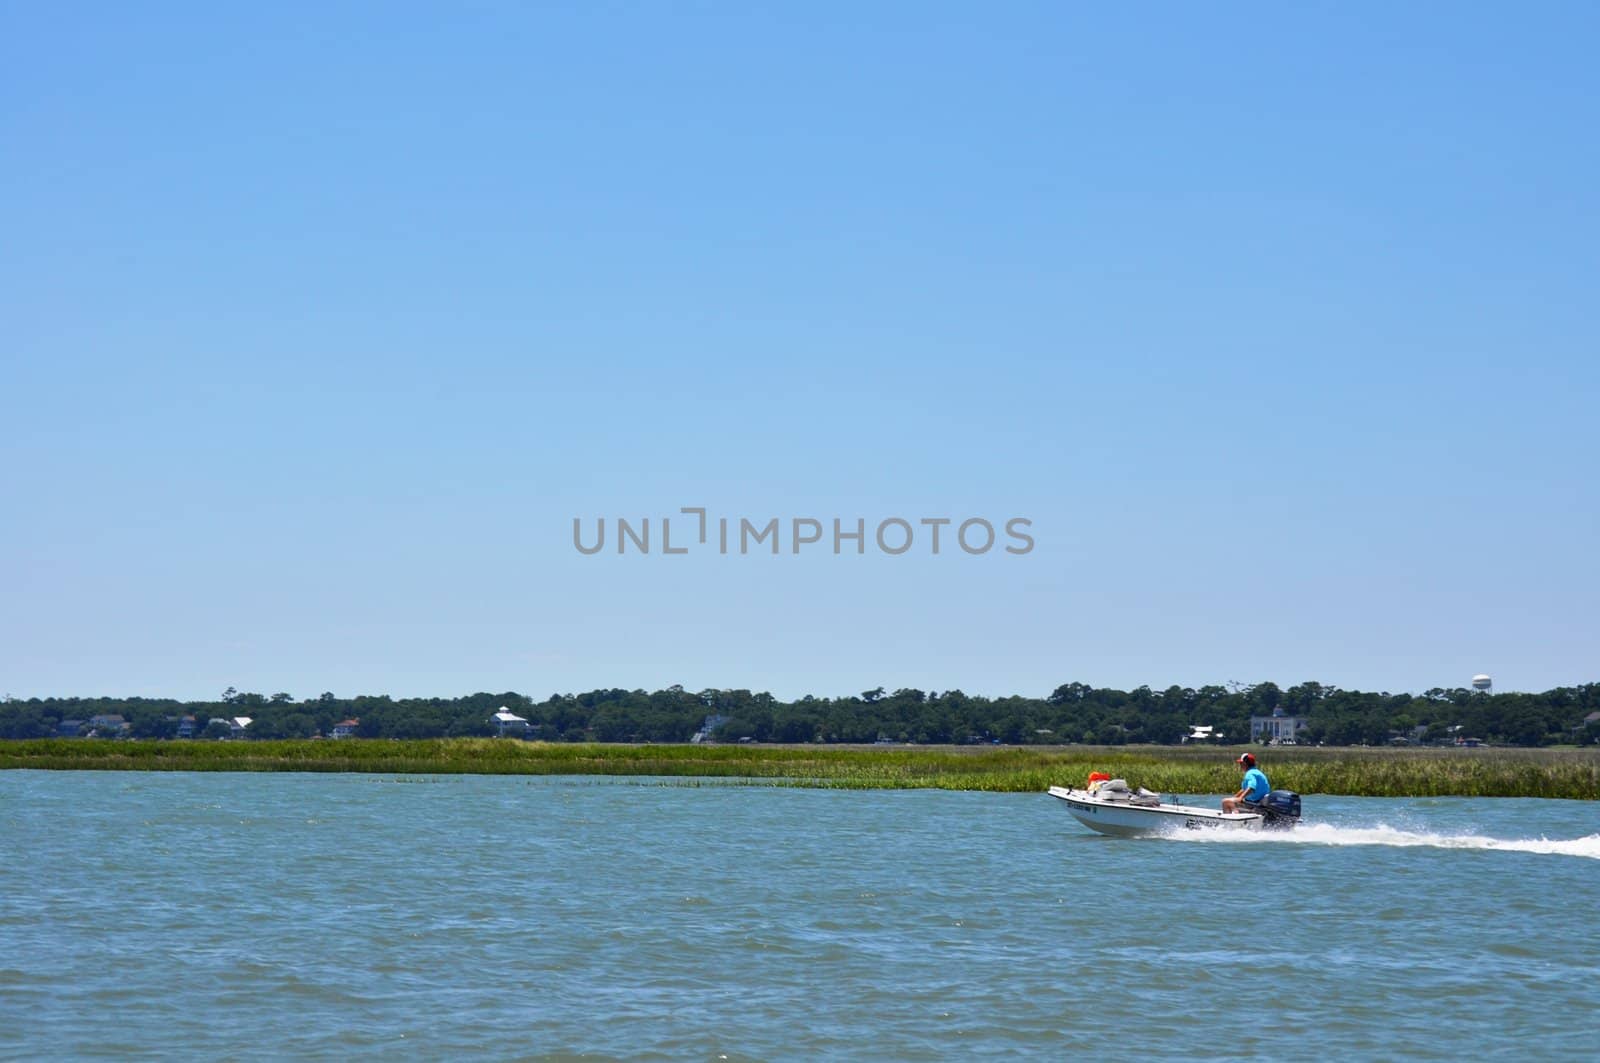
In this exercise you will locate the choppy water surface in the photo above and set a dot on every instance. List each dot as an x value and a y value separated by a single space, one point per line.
242 916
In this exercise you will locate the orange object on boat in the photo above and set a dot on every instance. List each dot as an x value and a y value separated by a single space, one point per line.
1098 776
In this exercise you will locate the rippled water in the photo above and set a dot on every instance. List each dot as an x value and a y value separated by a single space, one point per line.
242 916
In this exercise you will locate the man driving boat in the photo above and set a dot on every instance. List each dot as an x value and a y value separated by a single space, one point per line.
1253 788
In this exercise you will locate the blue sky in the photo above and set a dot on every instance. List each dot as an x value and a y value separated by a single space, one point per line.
319 327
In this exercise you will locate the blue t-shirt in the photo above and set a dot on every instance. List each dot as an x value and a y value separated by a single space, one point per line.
1256 785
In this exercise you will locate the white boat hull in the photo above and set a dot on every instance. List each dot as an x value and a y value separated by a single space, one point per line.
1126 820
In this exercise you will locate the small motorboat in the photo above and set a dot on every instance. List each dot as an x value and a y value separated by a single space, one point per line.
1110 807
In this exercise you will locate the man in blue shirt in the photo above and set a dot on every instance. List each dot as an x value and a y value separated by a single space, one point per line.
1253 788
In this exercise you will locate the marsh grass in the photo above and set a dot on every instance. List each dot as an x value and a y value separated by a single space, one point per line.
1354 772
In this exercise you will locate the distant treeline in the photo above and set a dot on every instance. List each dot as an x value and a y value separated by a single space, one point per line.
1073 713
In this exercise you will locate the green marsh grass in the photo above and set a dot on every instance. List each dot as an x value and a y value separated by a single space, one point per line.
1567 773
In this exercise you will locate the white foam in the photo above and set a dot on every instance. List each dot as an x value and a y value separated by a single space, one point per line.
1327 834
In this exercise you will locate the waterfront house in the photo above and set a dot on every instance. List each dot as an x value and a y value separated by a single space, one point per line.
1203 733
345 728
69 728
710 724
507 722
187 727
237 725
1277 729
109 726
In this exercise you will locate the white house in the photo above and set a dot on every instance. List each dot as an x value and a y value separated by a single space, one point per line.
109 726
237 726
507 722
712 722
346 728
1202 733
1277 729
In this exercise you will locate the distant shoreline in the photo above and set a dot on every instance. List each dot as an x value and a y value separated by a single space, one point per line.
1357 772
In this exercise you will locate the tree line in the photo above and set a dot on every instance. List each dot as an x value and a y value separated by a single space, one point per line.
1072 713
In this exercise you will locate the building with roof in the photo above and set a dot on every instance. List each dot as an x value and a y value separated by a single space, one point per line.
1278 729
712 722
507 722
111 725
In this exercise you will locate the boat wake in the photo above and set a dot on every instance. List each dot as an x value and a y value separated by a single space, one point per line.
1328 834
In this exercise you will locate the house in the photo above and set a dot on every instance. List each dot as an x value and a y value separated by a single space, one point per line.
507 722
345 728
69 728
1203 733
237 725
109 726
1277 729
187 727
711 723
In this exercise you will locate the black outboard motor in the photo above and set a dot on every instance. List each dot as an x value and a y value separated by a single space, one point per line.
1281 809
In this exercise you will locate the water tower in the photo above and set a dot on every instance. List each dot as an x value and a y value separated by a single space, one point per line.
1482 683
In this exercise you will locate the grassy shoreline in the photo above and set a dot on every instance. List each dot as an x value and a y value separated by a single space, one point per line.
1561 773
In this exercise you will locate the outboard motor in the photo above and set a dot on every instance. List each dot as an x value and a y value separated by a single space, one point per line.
1281 809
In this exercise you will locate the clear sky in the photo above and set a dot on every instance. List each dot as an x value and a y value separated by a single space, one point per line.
319 324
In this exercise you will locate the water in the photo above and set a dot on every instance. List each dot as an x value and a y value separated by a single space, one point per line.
210 916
